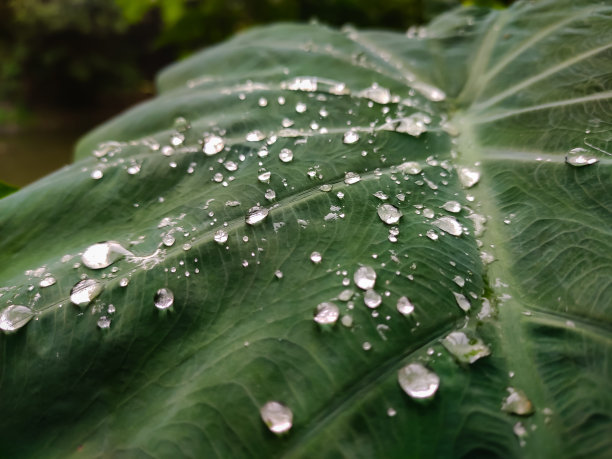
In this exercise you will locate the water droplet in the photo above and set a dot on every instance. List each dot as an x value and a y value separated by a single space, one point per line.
365 277
376 94
277 417
186 246
262 102
316 257
351 177
285 155
123 282
325 188
346 295
410 167
48 281
230 166
168 240
389 214
449 225
350 137
255 136
405 306
220 236
177 139
380 195
300 107
460 281
85 291
466 349
104 322
264 176
428 213
14 317
96 174
366 346
517 402
164 298
278 274
270 195
302 84
414 125
468 176
462 301
347 320
580 157
431 234
326 313
391 412
212 145
133 169
452 206
256 215
418 381
98 256
372 299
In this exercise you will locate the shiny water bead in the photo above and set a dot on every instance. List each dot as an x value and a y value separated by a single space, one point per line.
517 402
85 291
164 298
376 94
326 314
96 174
350 137
372 299
220 236
255 215
277 417
449 225
462 301
468 176
270 195
104 322
452 206
405 306
14 317
264 176
579 157
466 349
418 381
365 277
255 136
103 254
285 155
47 281
389 214
300 107
351 178
316 257
410 167
168 240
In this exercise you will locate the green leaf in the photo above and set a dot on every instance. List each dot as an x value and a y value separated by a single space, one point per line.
506 94
6 189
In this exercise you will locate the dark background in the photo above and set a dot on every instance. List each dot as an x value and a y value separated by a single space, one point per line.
67 65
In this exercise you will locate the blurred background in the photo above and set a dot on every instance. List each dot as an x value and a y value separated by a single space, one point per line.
68 65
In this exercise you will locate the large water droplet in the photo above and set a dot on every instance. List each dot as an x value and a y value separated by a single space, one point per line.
316 257
462 301
517 402
389 214
405 306
220 236
326 313
164 298
580 157
466 349
468 176
452 206
410 167
256 215
365 277
351 177
85 291
350 137
168 240
285 155
277 417
14 317
372 299
449 225
98 256
418 381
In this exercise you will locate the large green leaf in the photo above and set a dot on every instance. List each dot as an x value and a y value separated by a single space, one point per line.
507 94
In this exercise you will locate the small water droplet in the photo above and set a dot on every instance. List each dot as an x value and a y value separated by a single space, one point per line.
414 125
48 281
325 188
230 166
133 169
85 291
350 137
431 234
452 206
255 136
391 412
428 213
212 145
418 381
326 313
104 322
220 236
300 107
277 417
466 349
14 317
580 157
405 306
380 195
365 277
285 155
177 139
278 274
347 320
372 299
346 295
351 177
517 402
164 298
270 195
103 254
468 176
366 346
123 282
256 215
410 167
262 102
449 225
316 257
389 214
376 94
462 301
264 176
168 240
96 174
460 281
